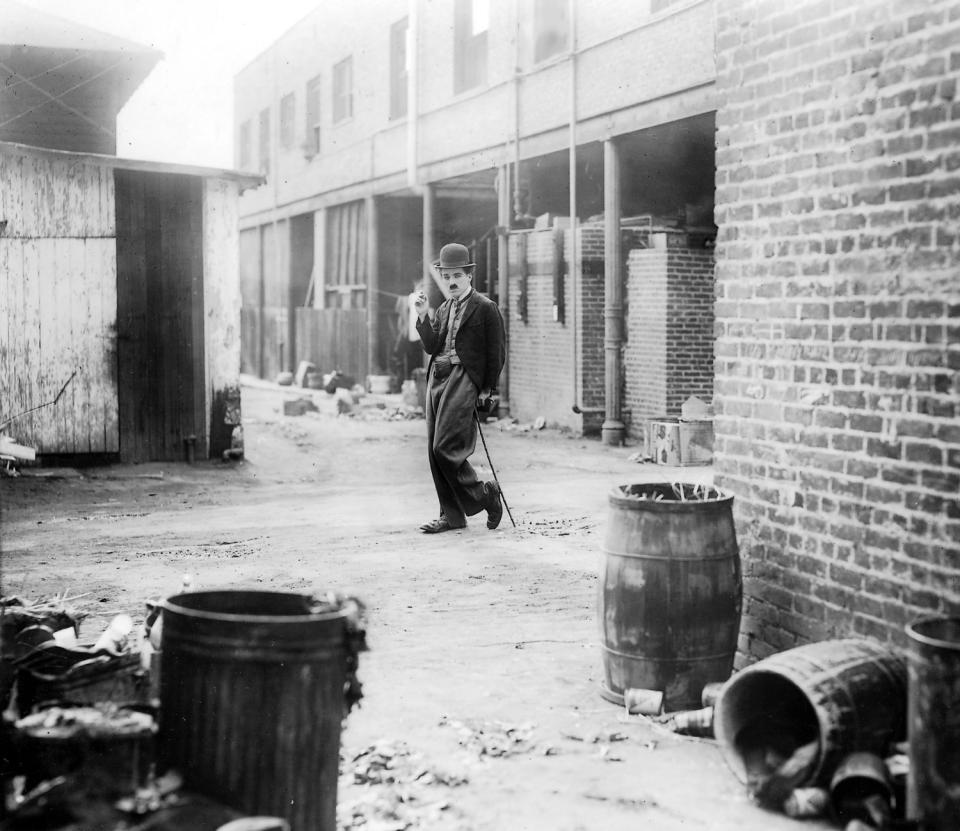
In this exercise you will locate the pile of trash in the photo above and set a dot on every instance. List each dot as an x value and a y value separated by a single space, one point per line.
853 774
390 788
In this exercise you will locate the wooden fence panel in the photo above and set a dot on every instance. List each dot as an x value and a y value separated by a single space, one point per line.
334 339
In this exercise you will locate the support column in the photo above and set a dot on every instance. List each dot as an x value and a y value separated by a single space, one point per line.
429 251
373 284
612 430
319 276
503 269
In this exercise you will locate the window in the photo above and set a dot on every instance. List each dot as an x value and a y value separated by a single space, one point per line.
265 141
311 145
287 115
398 69
551 26
246 148
343 90
471 21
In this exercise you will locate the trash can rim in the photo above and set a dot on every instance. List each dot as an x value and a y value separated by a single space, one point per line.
914 632
168 604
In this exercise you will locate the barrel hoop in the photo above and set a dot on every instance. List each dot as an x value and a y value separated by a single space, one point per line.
634 657
732 555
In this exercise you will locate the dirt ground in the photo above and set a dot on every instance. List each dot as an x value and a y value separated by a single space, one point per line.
482 681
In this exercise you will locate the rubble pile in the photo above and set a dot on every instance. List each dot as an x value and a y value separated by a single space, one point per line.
388 787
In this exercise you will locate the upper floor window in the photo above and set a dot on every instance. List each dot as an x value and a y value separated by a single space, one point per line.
287 115
246 146
311 145
343 90
471 21
265 141
551 28
398 69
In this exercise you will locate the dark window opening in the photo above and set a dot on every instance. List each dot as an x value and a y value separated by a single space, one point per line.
398 69
343 90
312 140
551 27
471 21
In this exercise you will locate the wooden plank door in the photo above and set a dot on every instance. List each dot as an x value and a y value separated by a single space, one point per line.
160 338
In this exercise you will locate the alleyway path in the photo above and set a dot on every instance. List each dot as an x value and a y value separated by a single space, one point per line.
471 630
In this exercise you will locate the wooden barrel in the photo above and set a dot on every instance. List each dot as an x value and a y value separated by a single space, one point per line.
847 695
252 700
933 730
669 594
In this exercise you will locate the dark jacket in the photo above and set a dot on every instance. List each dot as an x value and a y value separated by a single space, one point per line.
481 344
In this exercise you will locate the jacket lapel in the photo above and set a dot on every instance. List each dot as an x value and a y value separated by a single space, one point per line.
472 303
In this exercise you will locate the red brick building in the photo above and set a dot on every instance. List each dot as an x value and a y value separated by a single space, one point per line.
838 312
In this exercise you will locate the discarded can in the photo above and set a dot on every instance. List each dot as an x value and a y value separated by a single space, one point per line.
114 637
643 702
807 802
693 722
711 692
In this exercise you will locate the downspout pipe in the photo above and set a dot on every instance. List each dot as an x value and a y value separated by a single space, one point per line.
574 264
424 191
612 431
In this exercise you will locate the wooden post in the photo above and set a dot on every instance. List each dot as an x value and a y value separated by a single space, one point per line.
373 284
612 430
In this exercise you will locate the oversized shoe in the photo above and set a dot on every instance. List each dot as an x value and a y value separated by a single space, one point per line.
495 505
436 526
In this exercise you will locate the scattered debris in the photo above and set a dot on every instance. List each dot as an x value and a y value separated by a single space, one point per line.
298 406
806 803
494 738
772 774
692 722
397 785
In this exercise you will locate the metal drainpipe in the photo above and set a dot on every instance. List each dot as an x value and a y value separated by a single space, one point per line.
574 247
413 22
613 429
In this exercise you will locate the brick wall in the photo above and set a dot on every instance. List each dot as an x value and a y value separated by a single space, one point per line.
838 317
668 354
540 348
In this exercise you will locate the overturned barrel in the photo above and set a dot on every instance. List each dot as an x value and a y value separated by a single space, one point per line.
844 695
670 591
933 728
252 696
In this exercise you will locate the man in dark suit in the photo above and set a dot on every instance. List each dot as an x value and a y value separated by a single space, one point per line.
465 340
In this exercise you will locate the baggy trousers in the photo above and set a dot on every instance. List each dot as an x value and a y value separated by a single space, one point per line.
451 439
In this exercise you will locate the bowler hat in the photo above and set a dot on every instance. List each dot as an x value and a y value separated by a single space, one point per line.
454 255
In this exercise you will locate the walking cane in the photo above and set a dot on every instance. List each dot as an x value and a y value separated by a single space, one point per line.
476 416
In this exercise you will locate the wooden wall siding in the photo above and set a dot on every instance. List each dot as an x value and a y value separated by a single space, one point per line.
221 314
58 291
346 256
334 339
250 340
251 294
274 339
45 198
160 314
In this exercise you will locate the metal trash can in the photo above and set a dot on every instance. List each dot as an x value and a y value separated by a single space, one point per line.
254 687
933 723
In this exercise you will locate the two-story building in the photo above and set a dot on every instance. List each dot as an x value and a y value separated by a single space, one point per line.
390 127
584 151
